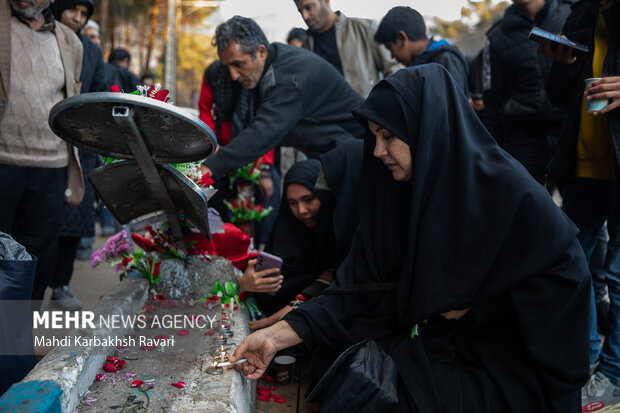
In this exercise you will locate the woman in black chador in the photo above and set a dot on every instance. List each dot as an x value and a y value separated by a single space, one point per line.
313 230
487 267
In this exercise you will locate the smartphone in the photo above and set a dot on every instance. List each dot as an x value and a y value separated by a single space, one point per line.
265 261
539 34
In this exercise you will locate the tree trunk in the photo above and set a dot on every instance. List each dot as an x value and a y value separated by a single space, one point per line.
105 26
149 46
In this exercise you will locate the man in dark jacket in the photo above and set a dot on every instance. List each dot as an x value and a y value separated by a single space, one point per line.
403 32
117 71
587 168
301 100
518 112
77 221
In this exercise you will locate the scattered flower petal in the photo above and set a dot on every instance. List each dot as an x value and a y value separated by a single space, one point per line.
183 332
179 384
136 383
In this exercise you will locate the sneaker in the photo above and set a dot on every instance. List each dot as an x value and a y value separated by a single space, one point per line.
107 231
599 393
65 299
83 254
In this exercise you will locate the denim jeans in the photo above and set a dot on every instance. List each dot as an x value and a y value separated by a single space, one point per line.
589 203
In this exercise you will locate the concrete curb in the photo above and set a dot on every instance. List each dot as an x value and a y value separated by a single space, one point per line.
63 376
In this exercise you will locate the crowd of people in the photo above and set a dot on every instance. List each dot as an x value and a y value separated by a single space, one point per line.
423 219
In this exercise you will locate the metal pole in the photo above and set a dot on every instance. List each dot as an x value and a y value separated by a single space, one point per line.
170 71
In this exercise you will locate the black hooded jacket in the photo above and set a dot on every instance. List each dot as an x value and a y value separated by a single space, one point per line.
567 83
470 229
79 221
309 252
517 100
450 57
93 76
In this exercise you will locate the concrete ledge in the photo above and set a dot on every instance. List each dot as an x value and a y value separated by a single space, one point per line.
66 373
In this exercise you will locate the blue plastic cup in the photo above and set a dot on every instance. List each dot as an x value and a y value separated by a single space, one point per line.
596 104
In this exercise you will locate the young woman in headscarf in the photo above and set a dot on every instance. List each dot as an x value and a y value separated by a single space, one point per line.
487 267
313 231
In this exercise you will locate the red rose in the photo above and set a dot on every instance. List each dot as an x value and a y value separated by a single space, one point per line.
206 181
144 243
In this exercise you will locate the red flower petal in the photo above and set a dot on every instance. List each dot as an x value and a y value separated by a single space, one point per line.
179 384
144 243
206 181
99 377
115 89
209 333
272 388
136 383
109 367
183 332
162 337
244 296
263 398
267 377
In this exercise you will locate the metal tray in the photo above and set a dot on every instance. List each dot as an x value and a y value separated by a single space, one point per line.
124 190
170 134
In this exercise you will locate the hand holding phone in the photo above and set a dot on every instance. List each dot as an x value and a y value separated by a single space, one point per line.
558 48
262 275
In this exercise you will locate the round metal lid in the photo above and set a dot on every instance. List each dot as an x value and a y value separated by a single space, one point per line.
170 133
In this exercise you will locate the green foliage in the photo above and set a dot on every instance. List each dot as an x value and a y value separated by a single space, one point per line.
246 210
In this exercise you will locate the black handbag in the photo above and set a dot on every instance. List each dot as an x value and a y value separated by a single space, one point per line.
364 377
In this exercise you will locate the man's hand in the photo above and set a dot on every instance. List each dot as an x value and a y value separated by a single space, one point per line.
206 170
260 282
271 320
605 88
559 53
265 185
260 348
